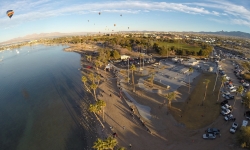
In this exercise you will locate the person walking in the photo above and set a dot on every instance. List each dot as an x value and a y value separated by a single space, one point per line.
123 127
130 145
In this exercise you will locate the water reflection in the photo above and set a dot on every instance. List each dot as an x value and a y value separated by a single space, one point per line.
38 85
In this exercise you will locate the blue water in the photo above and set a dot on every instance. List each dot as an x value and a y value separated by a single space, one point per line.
38 88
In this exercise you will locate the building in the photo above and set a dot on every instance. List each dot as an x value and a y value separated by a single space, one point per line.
124 57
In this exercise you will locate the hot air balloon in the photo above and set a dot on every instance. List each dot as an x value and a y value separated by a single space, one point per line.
128 27
88 20
121 15
114 24
10 13
99 13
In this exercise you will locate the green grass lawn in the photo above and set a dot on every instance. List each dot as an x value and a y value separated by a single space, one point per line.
180 45
195 116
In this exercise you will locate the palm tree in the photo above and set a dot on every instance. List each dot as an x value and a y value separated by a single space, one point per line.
89 57
102 104
111 143
95 109
133 68
98 78
94 87
206 82
97 64
223 80
171 96
84 80
99 144
240 89
91 77
190 70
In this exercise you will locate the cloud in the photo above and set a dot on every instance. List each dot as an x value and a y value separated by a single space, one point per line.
241 22
28 10
237 14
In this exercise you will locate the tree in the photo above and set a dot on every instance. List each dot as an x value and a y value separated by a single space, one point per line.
95 109
246 100
244 137
151 79
97 64
171 96
98 78
206 82
240 89
133 68
94 87
102 104
88 57
99 144
190 70
116 54
84 80
111 143
223 80
91 77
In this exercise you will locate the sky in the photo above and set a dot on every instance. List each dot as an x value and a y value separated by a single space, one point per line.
65 16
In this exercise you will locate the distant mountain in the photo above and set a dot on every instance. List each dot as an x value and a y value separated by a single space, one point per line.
231 33
36 36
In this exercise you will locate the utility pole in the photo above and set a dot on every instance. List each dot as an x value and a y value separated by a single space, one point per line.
143 62
128 70
216 79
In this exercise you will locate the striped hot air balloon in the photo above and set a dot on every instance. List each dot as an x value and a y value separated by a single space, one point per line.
10 13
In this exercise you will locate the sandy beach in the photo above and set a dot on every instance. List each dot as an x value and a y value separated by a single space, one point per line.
159 131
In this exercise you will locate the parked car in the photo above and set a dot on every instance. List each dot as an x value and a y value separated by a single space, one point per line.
209 136
225 112
224 102
225 92
229 117
245 84
231 86
213 131
226 106
233 128
228 97
244 123
233 90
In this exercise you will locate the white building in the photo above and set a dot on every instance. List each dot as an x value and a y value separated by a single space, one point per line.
124 57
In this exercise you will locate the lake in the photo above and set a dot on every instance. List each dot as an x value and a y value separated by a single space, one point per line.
39 87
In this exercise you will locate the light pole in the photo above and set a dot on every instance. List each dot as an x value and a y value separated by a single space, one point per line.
128 70
216 79
143 63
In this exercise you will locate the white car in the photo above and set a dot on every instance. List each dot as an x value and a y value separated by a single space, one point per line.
234 127
230 86
226 106
225 112
245 84
228 117
209 136
233 90
244 123
225 92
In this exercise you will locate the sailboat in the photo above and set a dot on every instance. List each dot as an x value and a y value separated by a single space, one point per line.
17 51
